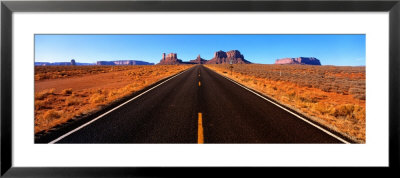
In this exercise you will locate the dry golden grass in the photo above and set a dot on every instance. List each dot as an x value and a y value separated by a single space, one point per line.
330 95
55 72
56 106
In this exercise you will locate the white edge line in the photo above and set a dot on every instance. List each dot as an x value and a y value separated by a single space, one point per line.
98 117
305 120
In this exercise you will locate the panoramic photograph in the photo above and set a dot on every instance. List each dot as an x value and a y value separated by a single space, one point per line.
200 88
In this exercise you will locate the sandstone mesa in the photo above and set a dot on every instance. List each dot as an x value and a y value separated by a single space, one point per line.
299 60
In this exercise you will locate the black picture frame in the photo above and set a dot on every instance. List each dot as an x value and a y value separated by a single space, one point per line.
8 7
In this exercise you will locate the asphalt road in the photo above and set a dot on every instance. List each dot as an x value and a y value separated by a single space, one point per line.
198 106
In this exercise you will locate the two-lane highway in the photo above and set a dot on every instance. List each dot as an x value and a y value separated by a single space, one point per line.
198 106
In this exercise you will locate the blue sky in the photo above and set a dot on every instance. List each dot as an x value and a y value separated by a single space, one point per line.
342 50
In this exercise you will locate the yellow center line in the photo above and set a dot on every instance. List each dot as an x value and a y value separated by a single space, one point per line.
200 137
199 83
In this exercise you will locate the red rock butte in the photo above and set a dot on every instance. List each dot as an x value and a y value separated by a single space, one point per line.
198 60
299 60
234 56
170 59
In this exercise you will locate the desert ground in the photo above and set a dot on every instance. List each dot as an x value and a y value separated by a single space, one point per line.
65 92
333 96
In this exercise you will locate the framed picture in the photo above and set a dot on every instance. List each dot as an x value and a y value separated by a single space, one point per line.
142 88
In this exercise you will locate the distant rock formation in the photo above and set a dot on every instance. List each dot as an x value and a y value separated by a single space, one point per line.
105 63
72 63
198 60
123 62
170 59
52 63
221 57
299 60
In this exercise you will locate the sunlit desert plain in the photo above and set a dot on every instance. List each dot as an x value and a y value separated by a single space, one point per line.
63 93
333 96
